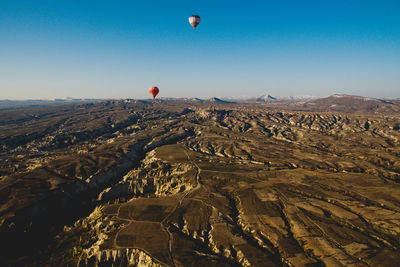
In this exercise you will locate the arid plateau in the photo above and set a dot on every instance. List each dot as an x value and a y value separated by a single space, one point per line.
189 182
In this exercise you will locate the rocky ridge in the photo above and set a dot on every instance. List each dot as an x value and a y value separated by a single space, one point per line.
220 185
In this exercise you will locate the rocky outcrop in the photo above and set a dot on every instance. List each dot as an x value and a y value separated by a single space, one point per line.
118 258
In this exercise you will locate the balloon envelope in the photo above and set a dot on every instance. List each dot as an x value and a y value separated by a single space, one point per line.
154 91
194 21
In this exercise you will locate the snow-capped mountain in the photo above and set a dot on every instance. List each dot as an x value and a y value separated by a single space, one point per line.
295 98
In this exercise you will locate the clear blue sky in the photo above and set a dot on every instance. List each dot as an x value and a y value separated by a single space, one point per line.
117 49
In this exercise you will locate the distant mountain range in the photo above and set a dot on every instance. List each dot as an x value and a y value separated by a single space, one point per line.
295 98
351 103
6 103
217 100
198 100
335 103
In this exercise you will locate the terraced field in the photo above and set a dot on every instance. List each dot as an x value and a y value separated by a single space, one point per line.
173 183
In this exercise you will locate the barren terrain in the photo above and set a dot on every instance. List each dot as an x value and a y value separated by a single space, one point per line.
185 183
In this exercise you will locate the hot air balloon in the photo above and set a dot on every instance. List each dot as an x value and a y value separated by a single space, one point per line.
154 91
194 21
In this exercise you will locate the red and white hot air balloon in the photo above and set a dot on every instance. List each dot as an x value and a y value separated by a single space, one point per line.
154 91
194 21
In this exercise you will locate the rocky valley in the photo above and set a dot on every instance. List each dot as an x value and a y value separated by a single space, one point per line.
191 183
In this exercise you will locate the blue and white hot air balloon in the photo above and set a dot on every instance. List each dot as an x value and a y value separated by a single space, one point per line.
194 21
